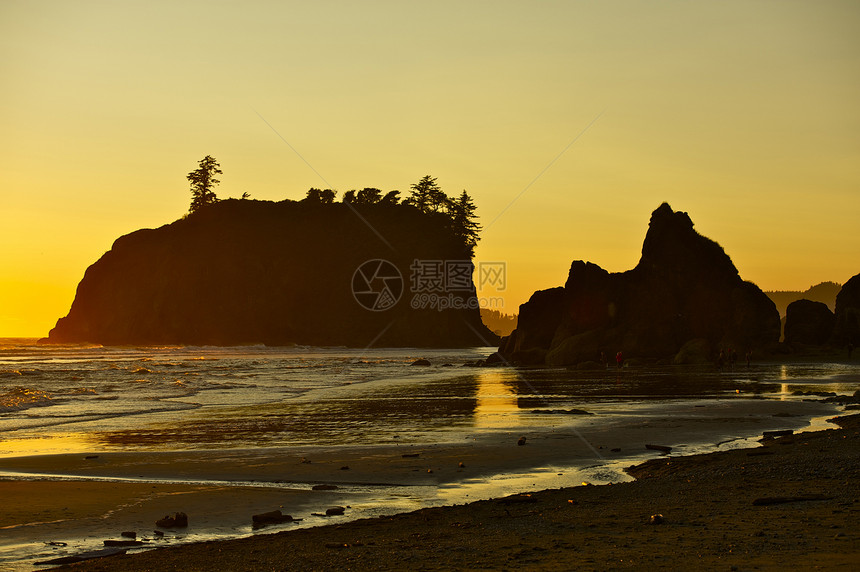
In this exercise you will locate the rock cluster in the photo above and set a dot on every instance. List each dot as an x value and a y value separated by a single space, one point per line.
176 520
684 294
809 323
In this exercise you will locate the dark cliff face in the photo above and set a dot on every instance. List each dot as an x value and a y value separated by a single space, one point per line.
684 288
241 272
808 323
847 329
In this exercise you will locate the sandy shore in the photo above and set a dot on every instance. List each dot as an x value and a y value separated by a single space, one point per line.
220 490
714 517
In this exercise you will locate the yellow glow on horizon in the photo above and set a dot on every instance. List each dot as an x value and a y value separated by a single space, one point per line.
742 114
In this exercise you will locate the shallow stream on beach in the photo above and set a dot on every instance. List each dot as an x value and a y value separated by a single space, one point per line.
234 416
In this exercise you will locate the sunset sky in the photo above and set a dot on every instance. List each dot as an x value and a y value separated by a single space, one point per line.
745 114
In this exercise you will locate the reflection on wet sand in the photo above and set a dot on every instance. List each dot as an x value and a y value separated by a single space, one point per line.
497 401
433 408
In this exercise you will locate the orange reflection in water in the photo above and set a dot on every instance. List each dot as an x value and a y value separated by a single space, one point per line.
46 445
496 401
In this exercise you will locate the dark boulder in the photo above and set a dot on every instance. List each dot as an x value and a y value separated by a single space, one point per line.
697 351
808 323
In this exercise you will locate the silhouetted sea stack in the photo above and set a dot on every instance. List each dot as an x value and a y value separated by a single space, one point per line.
808 323
847 328
684 291
258 272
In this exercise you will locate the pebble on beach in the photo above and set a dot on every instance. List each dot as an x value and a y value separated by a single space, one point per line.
324 487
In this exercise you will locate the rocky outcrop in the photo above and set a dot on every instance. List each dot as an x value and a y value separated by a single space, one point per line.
808 323
258 272
685 291
538 320
822 292
847 329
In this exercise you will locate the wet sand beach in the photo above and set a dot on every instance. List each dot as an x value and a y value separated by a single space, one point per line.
48 501
791 503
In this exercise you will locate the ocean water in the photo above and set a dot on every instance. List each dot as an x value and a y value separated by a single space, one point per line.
274 400
56 399
79 398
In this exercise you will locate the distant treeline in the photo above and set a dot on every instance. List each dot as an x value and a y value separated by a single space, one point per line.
500 324
425 195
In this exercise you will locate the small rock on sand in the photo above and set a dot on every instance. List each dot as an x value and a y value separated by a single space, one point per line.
177 520
271 517
661 448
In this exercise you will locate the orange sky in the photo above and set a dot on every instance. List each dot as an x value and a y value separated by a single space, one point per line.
743 114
